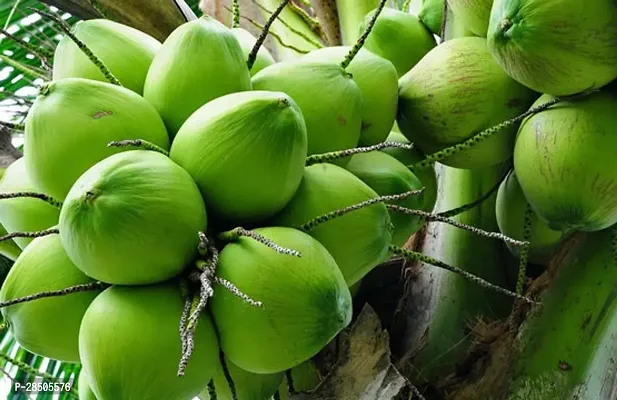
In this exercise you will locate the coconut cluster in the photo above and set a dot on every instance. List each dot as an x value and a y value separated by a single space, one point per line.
177 203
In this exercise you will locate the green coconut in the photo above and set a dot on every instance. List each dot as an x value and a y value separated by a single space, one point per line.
570 179
305 300
428 176
510 211
246 151
133 218
71 123
248 386
334 121
387 176
455 92
200 61
130 345
48 327
125 51
83 388
399 37
359 240
474 15
247 42
431 15
558 47
378 82
24 214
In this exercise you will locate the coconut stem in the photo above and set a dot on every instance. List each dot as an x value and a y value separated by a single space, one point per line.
336 155
31 235
485 134
27 368
86 287
464 208
327 15
234 290
227 374
111 78
13 126
290 382
236 233
235 6
277 37
472 229
39 52
26 69
415 256
288 26
264 34
139 143
524 250
212 390
405 6
358 46
315 222
34 195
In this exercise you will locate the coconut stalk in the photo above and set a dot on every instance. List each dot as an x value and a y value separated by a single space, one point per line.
351 13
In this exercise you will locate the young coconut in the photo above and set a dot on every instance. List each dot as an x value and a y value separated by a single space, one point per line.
247 42
510 210
200 61
378 82
125 51
133 219
130 345
333 122
474 15
255 139
247 385
359 240
427 176
387 176
431 15
571 180
24 214
71 123
83 387
48 327
397 30
455 92
306 302
557 47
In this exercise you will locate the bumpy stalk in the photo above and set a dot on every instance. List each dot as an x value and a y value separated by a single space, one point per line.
28 369
86 287
315 222
289 26
336 155
139 143
13 126
34 195
236 233
405 6
264 34
524 250
26 69
415 256
111 78
277 37
228 377
235 12
212 390
358 46
44 55
472 229
310 21
31 235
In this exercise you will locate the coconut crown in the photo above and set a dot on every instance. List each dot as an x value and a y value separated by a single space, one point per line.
200 61
256 139
48 327
326 188
125 51
71 123
333 122
121 222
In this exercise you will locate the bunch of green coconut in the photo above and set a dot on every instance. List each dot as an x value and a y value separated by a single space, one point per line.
193 210
184 212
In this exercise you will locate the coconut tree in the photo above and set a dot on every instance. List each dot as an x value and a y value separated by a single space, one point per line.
485 324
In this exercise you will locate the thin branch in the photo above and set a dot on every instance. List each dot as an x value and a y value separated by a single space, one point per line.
139 143
336 155
262 37
34 195
32 235
358 46
86 287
